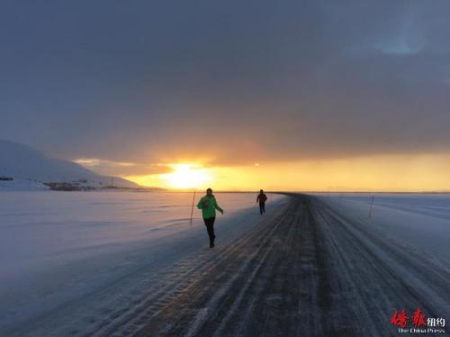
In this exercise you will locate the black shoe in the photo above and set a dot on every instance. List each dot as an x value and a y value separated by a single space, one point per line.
211 245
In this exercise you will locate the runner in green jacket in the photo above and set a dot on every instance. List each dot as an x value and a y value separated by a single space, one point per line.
208 205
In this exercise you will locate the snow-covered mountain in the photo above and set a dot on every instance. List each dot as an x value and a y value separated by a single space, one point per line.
25 163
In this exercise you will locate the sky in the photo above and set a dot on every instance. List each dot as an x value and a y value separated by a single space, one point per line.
285 95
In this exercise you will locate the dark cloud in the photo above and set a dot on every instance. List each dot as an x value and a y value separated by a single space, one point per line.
233 82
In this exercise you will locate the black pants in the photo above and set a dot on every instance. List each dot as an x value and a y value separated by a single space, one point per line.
262 207
209 223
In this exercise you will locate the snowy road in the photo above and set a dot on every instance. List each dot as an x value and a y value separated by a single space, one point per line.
303 270
307 271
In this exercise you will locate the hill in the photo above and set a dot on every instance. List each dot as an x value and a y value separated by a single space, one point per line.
25 164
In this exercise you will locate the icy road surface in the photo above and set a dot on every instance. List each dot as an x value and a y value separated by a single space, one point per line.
308 270
312 266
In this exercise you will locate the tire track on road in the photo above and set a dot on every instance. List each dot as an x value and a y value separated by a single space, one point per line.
179 284
307 270
380 276
274 285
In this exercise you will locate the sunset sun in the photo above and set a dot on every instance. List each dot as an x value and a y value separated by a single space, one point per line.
187 176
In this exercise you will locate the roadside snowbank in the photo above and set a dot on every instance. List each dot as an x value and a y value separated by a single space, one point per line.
419 221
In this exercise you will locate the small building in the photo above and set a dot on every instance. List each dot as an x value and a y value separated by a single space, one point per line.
58 186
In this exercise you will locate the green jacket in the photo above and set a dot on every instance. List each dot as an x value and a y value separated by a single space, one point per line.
210 210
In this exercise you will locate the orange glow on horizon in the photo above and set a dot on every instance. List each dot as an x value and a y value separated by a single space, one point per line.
184 176
394 173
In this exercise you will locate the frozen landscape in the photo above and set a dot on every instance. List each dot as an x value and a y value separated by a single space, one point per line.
57 248
30 169
129 263
420 221
113 112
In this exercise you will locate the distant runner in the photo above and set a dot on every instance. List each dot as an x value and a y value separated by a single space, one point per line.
262 198
208 205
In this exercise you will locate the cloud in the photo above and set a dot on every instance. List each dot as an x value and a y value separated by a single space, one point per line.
108 167
230 83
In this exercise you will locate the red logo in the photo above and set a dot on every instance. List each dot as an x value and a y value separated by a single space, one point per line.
400 319
418 322
418 318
